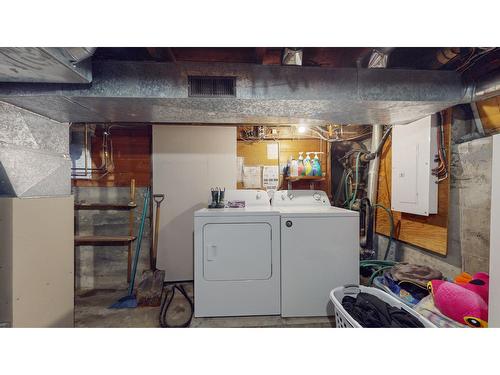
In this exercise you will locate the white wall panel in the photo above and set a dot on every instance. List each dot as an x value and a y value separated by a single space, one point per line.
187 162
37 262
494 298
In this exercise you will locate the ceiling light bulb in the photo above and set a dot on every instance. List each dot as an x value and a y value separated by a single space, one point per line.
302 129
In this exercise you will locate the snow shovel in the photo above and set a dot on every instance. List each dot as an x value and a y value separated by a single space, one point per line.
150 288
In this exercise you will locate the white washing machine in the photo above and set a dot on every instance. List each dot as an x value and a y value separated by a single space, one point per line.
237 258
319 251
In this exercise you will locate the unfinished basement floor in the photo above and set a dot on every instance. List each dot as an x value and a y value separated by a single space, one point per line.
92 311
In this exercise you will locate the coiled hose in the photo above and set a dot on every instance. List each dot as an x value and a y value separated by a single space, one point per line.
378 265
166 302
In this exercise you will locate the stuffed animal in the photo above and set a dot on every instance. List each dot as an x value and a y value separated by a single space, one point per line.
459 303
463 278
479 284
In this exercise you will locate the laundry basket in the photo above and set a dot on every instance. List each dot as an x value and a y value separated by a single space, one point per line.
344 320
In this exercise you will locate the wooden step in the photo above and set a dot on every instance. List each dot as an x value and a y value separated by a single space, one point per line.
105 206
103 240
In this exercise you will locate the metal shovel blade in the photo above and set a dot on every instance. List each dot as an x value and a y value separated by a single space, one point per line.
150 288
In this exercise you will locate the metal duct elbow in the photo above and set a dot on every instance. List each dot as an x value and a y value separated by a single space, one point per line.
377 57
486 87
78 54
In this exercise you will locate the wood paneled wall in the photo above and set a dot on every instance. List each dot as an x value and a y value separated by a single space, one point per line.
489 111
255 153
131 153
428 232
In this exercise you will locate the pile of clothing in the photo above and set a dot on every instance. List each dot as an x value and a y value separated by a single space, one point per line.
461 303
371 312
407 282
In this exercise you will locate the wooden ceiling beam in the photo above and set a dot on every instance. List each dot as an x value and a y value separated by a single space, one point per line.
260 53
162 53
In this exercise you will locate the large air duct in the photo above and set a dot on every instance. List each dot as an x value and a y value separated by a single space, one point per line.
46 65
263 94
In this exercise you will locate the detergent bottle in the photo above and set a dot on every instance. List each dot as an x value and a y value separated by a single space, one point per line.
307 165
294 168
286 169
316 165
300 168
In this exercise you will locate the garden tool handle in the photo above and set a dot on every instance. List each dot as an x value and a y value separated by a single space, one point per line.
158 198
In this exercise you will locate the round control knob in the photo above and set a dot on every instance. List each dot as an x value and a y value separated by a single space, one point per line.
317 196
288 223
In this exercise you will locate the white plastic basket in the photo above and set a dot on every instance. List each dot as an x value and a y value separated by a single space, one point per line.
344 320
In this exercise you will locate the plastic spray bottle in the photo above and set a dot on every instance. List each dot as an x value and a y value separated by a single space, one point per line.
300 169
316 165
307 165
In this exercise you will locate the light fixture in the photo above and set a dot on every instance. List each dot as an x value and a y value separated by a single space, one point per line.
302 129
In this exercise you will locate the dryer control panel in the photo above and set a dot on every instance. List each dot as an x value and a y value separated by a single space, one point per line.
287 198
252 198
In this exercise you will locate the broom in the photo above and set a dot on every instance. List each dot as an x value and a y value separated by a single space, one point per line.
129 301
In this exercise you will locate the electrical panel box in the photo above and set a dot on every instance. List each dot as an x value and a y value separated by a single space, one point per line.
414 153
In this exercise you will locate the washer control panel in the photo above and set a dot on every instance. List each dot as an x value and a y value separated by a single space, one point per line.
300 198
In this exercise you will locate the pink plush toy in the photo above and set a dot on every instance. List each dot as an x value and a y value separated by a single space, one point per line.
459 303
479 284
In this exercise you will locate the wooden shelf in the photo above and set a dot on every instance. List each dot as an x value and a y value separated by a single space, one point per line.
103 240
312 180
111 240
306 178
105 206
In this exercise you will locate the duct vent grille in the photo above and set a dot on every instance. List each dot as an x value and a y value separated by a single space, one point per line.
203 86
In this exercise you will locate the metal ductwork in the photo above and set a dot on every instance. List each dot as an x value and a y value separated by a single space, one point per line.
486 87
46 65
292 56
34 155
78 54
263 94
378 59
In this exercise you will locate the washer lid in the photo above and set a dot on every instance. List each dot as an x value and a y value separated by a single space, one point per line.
304 211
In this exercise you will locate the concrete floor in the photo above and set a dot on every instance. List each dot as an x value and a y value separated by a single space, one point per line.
92 310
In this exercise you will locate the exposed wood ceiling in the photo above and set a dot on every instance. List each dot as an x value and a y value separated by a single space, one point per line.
312 56
484 61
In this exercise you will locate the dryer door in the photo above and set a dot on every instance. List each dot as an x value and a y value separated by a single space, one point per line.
237 251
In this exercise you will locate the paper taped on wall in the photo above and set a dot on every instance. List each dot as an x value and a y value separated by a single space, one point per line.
270 177
239 168
252 177
272 151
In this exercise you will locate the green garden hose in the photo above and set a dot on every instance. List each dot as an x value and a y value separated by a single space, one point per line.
391 221
380 265
357 181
